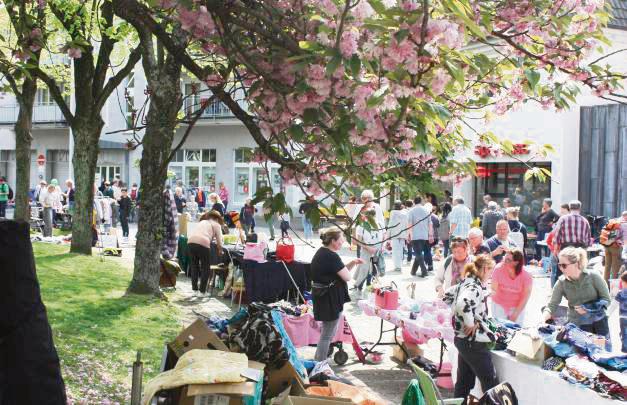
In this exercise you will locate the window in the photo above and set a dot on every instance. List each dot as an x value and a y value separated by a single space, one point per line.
175 174
178 156
129 95
107 173
507 180
192 176
5 157
192 97
242 184
243 155
209 155
209 178
43 97
192 155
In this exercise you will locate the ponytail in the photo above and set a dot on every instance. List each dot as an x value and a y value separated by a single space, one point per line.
476 267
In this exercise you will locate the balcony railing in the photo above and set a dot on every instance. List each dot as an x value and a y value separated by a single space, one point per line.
42 114
215 110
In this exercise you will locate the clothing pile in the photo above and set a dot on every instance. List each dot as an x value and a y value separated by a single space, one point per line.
504 331
580 360
257 336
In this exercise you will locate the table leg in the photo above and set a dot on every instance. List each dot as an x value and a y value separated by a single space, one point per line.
381 332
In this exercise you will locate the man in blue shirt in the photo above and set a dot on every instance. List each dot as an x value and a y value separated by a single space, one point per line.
419 219
460 219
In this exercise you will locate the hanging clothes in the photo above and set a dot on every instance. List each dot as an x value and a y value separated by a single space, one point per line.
170 224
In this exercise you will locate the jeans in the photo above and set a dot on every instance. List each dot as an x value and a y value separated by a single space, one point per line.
500 312
474 361
601 328
447 247
307 228
3 209
270 223
612 262
623 334
364 271
419 247
48 215
200 256
426 251
555 271
397 252
115 209
328 330
124 222
409 251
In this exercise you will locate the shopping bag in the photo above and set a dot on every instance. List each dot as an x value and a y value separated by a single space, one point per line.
255 252
387 297
285 251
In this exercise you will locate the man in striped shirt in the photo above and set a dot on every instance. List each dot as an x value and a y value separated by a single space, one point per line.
572 229
460 219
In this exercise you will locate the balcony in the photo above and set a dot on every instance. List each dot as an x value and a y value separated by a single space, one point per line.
215 111
43 114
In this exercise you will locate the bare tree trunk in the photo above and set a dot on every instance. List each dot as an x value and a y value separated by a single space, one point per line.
86 134
165 103
23 139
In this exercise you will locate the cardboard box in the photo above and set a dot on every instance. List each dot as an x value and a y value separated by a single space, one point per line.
226 393
196 336
412 349
281 379
528 348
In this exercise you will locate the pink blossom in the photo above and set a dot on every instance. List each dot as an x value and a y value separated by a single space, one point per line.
516 91
214 80
439 81
409 5
41 4
348 43
74 53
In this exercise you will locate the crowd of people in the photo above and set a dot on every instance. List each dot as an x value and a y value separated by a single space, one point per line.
477 265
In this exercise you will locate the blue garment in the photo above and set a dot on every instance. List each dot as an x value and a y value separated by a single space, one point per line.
418 217
621 297
582 341
277 318
493 243
595 311
461 216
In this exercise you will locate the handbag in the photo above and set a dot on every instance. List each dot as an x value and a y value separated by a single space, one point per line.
387 297
285 251
255 252
320 290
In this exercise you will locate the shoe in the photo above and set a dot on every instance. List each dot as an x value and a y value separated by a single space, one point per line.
271 238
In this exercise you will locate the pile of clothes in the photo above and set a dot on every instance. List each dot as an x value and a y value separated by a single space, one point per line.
580 360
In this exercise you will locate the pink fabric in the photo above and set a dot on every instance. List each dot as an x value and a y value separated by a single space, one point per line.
304 330
510 291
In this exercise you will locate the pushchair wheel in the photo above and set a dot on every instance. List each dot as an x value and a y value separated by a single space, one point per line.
331 350
340 358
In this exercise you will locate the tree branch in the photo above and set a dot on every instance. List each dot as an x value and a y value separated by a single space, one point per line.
115 81
106 47
56 93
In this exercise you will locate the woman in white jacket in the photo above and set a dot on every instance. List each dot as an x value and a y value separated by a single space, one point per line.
449 270
397 233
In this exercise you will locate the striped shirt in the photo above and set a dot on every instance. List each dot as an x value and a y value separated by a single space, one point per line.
461 216
572 229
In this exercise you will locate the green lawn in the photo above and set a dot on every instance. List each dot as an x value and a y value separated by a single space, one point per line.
97 328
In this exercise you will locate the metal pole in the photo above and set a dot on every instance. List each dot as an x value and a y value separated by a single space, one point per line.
136 387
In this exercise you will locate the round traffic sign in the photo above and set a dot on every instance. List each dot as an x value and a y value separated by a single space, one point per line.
41 160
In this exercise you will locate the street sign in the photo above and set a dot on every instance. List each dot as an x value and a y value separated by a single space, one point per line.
41 160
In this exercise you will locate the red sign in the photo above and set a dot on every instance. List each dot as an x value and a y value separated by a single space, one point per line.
484 151
41 160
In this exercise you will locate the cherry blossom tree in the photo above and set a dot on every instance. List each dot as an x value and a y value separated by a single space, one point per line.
371 92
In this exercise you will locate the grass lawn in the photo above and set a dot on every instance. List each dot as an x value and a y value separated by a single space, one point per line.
97 328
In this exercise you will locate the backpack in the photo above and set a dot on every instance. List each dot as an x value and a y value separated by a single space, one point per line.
609 234
518 238
10 192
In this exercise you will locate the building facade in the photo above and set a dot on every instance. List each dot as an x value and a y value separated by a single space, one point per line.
218 150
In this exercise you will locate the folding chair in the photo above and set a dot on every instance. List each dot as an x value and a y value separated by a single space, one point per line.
430 391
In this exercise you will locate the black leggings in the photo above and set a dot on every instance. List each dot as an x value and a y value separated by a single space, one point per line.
474 360
199 256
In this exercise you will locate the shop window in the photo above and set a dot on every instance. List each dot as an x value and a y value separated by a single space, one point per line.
507 180
179 156
192 176
209 178
242 184
209 155
192 155
243 155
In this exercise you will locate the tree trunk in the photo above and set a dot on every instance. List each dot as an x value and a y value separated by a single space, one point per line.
165 103
23 139
86 134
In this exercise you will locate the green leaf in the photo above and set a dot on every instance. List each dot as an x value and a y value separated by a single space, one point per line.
355 65
455 71
333 64
377 6
309 45
375 101
310 115
533 77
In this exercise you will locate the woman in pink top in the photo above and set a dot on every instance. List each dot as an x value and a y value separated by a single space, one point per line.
511 287
207 231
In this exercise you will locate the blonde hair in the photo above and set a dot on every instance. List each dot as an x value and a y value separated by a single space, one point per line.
329 235
575 255
476 267
513 211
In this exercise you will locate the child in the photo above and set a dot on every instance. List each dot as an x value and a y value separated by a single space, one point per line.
125 203
285 224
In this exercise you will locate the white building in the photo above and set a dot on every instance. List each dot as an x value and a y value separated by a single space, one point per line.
217 150
590 141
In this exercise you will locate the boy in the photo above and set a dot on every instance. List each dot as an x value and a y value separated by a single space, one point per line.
285 224
125 204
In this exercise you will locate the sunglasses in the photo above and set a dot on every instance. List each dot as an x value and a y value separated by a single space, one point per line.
458 239
563 266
